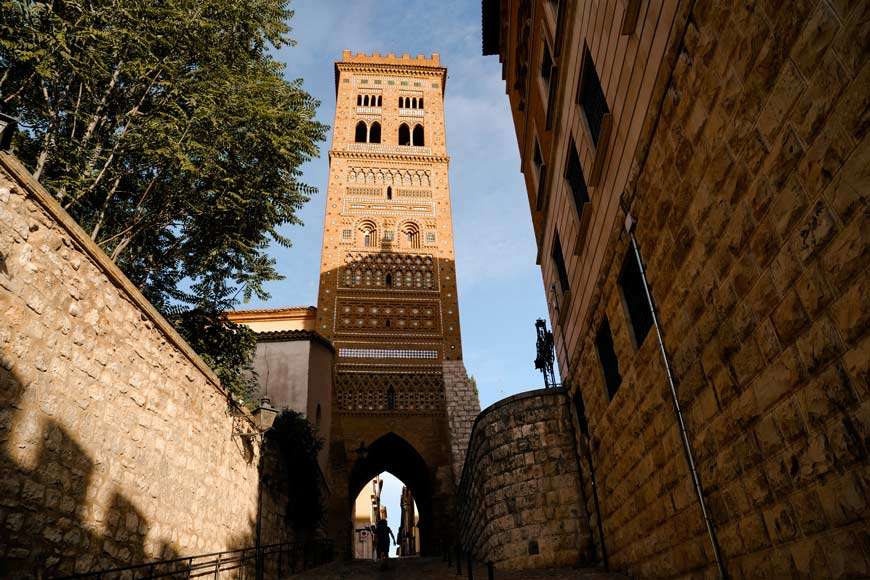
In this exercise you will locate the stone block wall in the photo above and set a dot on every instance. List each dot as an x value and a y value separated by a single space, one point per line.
463 406
519 497
753 222
116 442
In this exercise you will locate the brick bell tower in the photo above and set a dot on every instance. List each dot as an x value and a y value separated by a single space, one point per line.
387 298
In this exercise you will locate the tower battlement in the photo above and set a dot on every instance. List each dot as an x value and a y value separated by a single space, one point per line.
349 56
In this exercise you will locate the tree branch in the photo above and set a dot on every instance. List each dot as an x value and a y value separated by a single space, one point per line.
104 207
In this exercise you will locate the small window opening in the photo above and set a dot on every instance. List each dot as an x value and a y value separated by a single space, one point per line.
369 234
592 97
634 295
412 236
540 171
387 323
389 281
389 192
546 65
575 178
607 357
366 101
421 102
419 141
359 100
379 100
391 398
559 261
404 134
360 134
375 133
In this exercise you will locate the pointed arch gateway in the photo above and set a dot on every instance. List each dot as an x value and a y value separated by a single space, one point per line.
394 454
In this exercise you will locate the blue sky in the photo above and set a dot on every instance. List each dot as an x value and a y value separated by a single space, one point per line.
500 289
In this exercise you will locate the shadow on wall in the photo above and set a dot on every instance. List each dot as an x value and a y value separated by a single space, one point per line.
52 519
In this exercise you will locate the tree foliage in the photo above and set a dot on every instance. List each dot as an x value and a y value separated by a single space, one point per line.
168 131
299 445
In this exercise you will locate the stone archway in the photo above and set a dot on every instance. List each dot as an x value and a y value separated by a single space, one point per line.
394 454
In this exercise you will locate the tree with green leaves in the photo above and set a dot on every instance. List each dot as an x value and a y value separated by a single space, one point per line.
168 131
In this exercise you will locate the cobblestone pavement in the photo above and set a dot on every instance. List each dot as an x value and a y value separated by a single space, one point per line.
435 569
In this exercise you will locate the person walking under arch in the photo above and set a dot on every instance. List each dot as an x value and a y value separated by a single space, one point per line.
383 534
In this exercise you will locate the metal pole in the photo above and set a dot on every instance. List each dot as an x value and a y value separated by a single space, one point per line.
684 435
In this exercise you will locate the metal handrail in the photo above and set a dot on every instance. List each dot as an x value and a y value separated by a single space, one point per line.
212 564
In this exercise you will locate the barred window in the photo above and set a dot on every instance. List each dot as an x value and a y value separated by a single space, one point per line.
346 234
386 353
430 237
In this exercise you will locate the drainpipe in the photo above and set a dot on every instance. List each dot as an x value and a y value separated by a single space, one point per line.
584 429
630 224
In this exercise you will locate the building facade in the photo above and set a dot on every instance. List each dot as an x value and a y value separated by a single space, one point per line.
407 537
294 365
387 298
366 513
715 154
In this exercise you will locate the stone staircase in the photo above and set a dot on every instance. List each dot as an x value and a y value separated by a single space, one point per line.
436 569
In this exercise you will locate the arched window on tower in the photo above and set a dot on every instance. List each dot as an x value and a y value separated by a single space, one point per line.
391 398
369 234
419 141
411 235
414 103
380 98
366 101
389 192
421 102
360 134
388 281
375 133
401 102
404 134
359 100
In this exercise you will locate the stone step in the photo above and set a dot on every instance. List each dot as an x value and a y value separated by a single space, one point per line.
436 569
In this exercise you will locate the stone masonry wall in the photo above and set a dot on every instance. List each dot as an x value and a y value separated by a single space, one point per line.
463 406
753 222
116 442
519 497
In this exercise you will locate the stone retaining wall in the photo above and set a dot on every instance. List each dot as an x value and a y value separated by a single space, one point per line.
116 441
519 497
